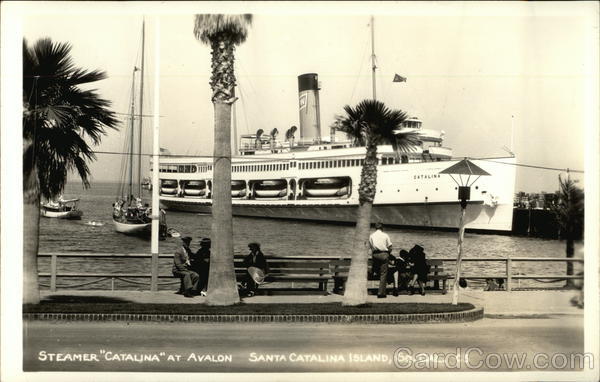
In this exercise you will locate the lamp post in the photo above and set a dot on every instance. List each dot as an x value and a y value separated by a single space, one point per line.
464 171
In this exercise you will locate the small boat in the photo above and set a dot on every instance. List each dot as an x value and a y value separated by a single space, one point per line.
61 209
172 232
270 188
147 184
194 188
238 188
327 187
168 187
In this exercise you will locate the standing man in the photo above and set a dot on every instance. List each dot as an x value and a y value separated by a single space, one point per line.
181 268
381 246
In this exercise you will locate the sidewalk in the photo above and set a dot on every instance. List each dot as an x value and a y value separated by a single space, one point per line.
498 303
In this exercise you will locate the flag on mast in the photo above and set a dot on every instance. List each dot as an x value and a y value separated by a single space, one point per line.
399 78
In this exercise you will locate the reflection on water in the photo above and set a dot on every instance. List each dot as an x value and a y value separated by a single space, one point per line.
277 237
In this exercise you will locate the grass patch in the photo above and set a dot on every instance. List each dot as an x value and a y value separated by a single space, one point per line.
264 309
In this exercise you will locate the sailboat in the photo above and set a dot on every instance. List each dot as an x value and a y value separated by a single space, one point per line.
61 209
131 216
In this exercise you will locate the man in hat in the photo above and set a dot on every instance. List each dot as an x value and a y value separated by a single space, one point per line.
182 268
256 265
381 246
201 264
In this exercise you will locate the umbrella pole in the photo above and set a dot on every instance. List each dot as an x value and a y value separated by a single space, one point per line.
461 235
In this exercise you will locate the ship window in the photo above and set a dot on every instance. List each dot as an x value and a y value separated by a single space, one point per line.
287 167
404 159
362 162
384 160
396 160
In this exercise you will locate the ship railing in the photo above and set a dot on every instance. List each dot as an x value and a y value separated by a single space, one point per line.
508 274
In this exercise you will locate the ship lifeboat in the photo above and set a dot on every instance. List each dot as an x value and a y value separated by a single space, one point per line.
238 188
195 188
168 187
270 188
327 187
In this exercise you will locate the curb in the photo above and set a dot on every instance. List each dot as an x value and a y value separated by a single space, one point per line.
420 318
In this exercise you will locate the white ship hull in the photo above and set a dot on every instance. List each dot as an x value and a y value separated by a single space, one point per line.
61 214
408 194
133 229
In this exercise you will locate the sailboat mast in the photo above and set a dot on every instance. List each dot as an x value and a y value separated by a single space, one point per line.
131 138
139 168
373 66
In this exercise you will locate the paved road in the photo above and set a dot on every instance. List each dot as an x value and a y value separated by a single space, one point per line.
169 347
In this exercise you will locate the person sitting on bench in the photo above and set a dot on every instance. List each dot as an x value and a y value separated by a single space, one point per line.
200 262
257 269
404 268
420 269
182 269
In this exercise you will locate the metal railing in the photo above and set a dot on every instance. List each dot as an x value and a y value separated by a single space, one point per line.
507 275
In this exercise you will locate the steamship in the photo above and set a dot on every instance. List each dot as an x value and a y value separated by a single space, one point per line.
316 178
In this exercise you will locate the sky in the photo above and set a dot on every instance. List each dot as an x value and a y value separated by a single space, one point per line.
493 76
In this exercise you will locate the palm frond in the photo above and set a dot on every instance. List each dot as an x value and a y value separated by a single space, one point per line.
373 121
235 26
58 116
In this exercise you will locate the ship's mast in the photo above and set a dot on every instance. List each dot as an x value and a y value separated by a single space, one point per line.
373 66
131 138
139 162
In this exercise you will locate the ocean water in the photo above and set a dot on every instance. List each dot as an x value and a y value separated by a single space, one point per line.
277 237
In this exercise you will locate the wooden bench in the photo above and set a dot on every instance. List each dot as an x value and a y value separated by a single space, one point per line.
339 271
291 270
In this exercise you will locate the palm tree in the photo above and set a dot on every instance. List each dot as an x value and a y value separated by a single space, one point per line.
569 212
370 123
222 33
58 117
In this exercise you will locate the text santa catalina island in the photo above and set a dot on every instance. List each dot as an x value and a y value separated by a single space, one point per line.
317 357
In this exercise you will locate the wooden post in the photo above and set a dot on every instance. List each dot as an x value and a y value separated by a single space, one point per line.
53 273
508 273
155 164
461 235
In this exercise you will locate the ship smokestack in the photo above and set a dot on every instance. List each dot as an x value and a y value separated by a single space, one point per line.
308 93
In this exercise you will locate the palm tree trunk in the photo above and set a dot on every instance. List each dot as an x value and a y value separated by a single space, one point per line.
222 286
31 226
356 285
